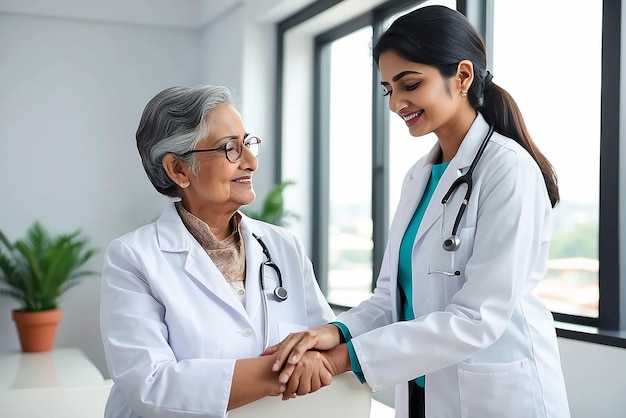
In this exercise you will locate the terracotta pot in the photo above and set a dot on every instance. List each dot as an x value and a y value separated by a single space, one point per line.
37 330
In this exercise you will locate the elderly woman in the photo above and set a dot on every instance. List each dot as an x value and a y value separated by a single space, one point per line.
190 301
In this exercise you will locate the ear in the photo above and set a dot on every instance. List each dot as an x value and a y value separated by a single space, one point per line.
465 75
176 169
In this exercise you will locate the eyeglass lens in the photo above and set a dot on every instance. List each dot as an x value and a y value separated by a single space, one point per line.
234 148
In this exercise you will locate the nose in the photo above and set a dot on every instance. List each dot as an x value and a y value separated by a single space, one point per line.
396 103
248 160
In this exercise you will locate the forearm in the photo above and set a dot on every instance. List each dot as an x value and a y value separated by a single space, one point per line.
253 379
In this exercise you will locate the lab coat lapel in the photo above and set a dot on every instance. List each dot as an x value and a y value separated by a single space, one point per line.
434 211
175 238
254 258
411 194
412 191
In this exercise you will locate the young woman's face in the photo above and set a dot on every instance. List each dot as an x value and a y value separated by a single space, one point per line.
419 95
221 186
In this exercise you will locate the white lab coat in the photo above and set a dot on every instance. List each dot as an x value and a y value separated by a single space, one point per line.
487 346
172 327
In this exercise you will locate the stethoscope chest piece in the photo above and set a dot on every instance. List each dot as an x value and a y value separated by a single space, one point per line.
451 244
281 293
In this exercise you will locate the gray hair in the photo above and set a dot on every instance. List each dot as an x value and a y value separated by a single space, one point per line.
173 122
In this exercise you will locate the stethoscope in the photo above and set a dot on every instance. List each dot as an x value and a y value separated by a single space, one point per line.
454 242
280 292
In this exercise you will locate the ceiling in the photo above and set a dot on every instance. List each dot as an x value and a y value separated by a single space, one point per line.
167 13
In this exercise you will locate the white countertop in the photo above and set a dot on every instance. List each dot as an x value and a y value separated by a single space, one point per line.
59 367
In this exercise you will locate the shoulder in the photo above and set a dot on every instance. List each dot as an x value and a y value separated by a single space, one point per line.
506 147
503 152
168 230
140 239
511 171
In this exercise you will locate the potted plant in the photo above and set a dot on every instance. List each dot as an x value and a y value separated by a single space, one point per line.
273 210
35 271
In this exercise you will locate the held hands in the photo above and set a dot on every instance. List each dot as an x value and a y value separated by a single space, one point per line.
290 350
312 372
304 371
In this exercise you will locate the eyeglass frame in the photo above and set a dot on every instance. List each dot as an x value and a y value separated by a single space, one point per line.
247 142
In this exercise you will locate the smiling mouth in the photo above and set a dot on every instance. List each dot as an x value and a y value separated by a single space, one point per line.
411 116
244 180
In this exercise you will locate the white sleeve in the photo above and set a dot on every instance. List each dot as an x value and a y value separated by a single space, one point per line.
141 363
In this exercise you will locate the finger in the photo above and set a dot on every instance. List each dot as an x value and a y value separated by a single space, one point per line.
286 373
291 387
284 350
304 385
326 378
316 383
324 337
292 396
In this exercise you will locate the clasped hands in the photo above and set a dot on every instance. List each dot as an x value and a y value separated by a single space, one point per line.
307 361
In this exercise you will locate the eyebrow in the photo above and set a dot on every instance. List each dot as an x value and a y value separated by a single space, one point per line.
229 137
400 75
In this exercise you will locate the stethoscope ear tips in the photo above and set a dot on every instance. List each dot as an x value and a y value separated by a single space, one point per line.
451 244
281 293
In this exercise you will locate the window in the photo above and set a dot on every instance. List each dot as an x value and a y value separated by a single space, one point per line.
351 83
350 177
534 68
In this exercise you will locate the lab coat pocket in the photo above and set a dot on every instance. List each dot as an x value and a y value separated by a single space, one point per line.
496 390
286 328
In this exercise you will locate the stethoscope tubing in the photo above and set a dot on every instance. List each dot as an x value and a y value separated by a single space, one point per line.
453 243
280 292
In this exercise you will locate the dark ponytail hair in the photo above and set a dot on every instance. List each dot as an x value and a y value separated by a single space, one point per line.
442 37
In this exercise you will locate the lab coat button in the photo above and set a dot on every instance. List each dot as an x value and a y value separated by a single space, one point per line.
241 291
247 332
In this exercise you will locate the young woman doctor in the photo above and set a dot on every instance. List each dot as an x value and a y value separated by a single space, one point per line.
191 300
468 244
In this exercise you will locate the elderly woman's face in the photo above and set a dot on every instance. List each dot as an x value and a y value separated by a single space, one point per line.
221 186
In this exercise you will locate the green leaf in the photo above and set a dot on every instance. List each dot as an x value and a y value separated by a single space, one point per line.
37 269
272 210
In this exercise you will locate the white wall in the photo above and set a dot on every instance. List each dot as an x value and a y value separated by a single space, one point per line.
594 377
72 96
73 89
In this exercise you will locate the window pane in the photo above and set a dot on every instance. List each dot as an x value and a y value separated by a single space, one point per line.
404 149
553 70
350 173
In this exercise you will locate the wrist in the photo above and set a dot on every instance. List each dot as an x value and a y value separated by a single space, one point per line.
336 334
339 359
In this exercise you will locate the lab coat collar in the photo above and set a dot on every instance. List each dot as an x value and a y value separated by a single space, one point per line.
421 173
465 154
174 237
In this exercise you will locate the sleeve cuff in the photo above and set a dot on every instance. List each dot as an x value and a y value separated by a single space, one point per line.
354 363
344 333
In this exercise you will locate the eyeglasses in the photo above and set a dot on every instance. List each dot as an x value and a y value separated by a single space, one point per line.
234 148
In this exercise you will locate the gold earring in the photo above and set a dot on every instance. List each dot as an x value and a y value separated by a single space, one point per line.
184 185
